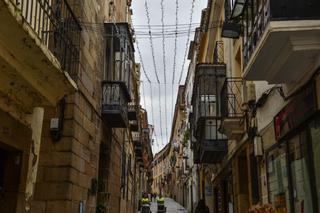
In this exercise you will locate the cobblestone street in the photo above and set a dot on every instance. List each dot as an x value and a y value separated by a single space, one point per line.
172 206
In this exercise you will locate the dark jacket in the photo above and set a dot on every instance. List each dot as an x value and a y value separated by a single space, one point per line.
201 207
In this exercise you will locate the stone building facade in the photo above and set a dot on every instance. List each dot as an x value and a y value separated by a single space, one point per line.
58 150
254 115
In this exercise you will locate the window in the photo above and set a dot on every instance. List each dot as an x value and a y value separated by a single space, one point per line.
300 174
278 183
315 136
208 105
289 174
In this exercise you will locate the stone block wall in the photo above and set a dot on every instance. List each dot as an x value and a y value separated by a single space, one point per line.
67 167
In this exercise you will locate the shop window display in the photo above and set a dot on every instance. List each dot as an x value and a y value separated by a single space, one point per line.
290 171
278 183
300 174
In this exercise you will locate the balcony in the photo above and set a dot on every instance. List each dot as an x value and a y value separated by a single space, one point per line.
181 97
132 111
134 126
118 70
231 109
39 52
211 145
136 137
137 145
120 59
114 104
196 157
138 148
133 117
283 41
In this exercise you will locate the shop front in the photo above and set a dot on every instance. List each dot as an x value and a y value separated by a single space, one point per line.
293 163
223 193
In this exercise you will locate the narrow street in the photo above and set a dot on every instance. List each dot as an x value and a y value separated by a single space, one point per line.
172 206
213 105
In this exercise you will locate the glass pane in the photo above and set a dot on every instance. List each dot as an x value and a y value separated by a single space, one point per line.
300 174
208 105
211 130
315 135
278 179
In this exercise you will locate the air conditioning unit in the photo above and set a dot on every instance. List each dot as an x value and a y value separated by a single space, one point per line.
248 93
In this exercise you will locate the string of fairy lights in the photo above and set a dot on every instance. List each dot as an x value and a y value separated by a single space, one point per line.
151 34
168 34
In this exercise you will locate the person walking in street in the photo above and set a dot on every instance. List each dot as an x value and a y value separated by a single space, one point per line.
160 204
145 203
202 207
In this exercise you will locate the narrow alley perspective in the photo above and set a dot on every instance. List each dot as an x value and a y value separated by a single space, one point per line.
159 106
171 206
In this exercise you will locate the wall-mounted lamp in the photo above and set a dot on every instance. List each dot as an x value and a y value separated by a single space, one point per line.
237 8
231 30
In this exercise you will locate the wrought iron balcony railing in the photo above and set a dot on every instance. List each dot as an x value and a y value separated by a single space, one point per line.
231 101
56 26
136 137
115 104
132 111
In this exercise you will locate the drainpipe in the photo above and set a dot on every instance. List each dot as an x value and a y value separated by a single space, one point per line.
36 128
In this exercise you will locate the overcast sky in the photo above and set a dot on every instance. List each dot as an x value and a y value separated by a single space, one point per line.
168 92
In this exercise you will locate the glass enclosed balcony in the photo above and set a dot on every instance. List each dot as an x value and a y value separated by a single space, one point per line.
119 54
117 74
206 116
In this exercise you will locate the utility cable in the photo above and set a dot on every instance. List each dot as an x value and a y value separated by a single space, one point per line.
164 66
175 53
175 42
187 43
152 116
159 87
141 61
151 40
144 95
151 102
